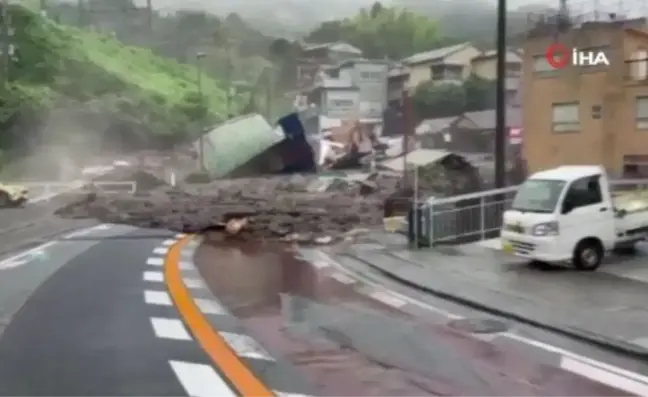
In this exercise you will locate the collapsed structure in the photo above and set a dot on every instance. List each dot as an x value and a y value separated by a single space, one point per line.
306 207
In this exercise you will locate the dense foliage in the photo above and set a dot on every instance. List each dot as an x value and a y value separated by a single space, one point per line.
432 100
101 85
383 32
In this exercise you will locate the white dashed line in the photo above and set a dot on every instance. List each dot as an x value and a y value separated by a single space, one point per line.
244 346
627 376
343 278
600 375
200 380
387 298
169 328
208 306
180 235
161 250
155 277
321 264
155 261
157 298
186 266
168 243
194 283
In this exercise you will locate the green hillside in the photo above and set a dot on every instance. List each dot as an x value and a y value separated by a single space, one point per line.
104 85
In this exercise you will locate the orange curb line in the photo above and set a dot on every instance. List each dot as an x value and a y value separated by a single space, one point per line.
241 377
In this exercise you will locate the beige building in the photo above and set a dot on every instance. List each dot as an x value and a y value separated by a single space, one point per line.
485 65
588 114
448 64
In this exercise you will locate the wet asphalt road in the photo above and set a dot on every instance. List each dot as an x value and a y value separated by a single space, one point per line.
86 329
352 339
77 324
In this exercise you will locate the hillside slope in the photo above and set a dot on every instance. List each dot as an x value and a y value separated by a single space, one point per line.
75 85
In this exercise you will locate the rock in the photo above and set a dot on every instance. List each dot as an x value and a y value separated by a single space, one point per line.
323 240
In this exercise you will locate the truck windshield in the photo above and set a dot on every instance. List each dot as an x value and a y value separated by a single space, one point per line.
538 195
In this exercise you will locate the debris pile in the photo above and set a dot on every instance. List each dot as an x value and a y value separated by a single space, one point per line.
297 208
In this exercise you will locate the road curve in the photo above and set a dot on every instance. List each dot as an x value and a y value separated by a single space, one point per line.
114 310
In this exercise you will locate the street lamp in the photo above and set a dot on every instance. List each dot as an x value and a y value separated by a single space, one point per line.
201 141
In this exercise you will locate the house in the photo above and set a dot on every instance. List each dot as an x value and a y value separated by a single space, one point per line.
588 114
370 77
484 65
447 64
335 98
470 132
315 58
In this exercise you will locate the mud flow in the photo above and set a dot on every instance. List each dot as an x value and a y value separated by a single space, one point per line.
345 343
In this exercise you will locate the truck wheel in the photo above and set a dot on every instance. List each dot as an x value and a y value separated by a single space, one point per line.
4 199
588 255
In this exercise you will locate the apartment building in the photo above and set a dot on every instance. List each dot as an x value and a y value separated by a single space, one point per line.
588 114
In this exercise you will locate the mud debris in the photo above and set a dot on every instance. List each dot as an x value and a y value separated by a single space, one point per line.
296 209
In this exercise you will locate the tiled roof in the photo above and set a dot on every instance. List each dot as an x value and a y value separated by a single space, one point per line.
435 54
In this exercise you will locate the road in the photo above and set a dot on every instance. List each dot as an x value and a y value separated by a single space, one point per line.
115 310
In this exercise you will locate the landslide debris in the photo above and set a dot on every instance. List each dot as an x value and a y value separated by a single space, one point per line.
303 209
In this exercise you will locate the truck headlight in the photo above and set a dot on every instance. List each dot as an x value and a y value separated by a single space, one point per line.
545 229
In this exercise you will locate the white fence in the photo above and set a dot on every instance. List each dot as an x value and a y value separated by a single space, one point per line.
43 191
478 216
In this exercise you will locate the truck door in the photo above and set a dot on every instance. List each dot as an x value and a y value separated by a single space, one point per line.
586 212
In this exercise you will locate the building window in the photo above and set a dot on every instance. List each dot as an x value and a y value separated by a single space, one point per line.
540 64
565 118
638 65
641 114
370 75
447 72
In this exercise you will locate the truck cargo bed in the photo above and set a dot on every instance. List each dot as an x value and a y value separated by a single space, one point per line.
631 202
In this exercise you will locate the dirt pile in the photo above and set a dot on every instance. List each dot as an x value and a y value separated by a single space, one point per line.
304 209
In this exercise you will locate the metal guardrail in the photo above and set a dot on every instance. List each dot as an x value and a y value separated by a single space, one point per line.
43 191
478 216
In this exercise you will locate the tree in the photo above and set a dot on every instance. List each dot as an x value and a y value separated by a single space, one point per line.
382 32
480 93
433 100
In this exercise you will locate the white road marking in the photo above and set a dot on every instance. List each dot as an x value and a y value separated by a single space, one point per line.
168 243
194 283
387 298
155 261
157 298
244 346
180 235
186 265
578 357
25 256
343 278
200 380
169 328
161 250
541 345
156 277
87 230
209 306
321 264
600 375
282 394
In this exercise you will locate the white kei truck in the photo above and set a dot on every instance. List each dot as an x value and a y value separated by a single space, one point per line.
569 214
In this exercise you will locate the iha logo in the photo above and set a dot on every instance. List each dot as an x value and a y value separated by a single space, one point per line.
559 56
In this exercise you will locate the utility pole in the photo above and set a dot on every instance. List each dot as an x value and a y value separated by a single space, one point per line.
6 44
500 111
201 121
149 18
81 13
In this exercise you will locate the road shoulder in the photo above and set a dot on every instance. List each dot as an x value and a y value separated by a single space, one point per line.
596 307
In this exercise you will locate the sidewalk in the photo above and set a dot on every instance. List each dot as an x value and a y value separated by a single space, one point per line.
598 307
